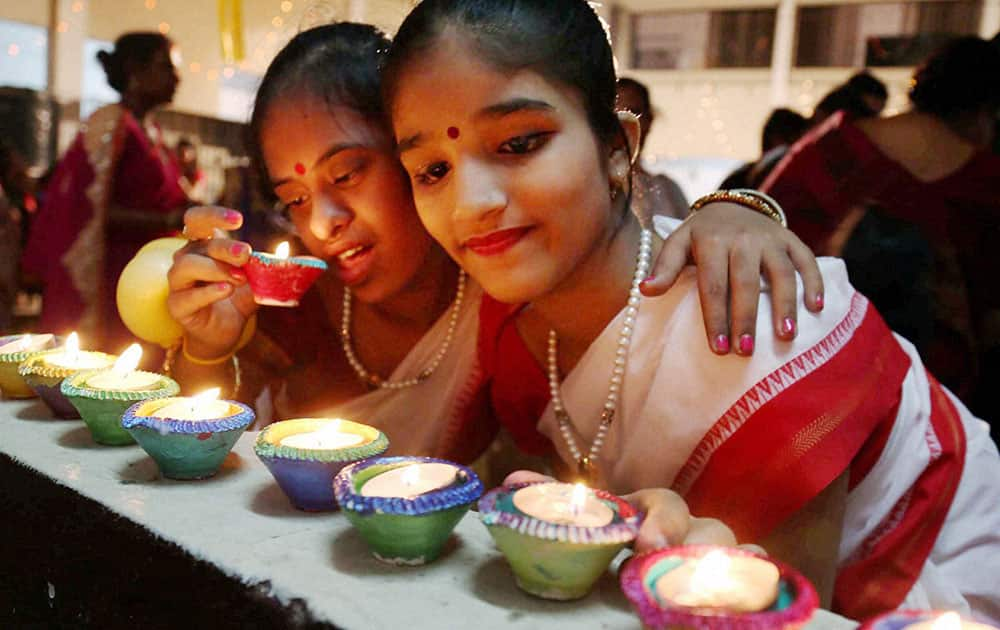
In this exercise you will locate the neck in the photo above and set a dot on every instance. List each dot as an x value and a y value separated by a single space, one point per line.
429 294
581 307
136 105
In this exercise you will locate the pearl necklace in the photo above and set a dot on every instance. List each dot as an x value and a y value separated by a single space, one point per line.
374 380
586 463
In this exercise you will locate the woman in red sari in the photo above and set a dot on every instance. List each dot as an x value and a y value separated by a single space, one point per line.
115 189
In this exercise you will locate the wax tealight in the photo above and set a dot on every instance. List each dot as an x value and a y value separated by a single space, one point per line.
205 406
75 359
27 343
410 481
948 621
122 376
323 439
563 504
738 584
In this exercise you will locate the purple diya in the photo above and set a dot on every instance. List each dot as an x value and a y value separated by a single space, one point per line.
305 454
14 349
406 507
674 588
558 538
187 437
45 371
922 620
279 280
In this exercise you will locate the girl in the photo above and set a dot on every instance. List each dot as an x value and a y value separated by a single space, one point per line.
836 451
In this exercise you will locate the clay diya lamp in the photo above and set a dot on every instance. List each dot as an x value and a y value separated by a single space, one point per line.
406 507
188 437
14 349
102 396
703 587
45 371
559 538
279 280
923 620
305 454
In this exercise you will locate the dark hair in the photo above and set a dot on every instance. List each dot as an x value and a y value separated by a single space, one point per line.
338 63
783 126
562 40
961 77
131 49
864 83
643 91
842 97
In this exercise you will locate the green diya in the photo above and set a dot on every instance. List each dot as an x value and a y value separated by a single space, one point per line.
14 349
103 396
558 538
406 507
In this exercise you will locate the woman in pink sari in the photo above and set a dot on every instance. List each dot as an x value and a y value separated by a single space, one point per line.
115 189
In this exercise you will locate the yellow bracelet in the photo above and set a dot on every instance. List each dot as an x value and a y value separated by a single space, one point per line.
197 361
747 198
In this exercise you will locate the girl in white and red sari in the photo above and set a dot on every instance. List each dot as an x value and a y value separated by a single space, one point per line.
836 451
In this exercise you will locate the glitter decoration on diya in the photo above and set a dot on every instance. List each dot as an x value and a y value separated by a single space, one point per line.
188 437
559 538
279 279
102 396
923 620
305 454
45 371
406 507
14 349
703 587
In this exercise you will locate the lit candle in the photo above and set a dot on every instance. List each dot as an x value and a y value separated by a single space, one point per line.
328 437
27 343
738 584
73 358
563 504
204 406
281 251
123 376
410 481
948 621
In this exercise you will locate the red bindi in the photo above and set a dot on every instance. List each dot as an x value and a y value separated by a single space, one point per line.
300 168
453 132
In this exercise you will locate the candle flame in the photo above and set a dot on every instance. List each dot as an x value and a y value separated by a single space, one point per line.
711 571
207 395
72 348
578 498
947 621
411 475
281 251
129 360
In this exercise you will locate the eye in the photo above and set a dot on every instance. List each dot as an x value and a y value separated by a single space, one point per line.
293 205
525 144
432 173
351 177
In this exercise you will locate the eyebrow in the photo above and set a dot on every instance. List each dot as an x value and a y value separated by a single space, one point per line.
498 110
329 153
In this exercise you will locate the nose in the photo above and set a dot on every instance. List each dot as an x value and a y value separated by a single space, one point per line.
328 217
479 191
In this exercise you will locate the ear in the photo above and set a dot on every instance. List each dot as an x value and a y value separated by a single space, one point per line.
622 157
633 132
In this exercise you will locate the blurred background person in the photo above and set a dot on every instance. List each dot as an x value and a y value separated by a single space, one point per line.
17 204
652 194
192 178
781 130
115 189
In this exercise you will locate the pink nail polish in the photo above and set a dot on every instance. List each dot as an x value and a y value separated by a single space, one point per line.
788 326
236 249
819 300
232 216
238 273
722 344
746 344
221 287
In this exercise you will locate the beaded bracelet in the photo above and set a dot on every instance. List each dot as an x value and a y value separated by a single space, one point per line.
752 199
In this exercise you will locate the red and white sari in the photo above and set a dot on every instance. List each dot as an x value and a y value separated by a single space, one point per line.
752 440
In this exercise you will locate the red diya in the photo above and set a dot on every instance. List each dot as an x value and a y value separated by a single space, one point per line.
702 587
279 280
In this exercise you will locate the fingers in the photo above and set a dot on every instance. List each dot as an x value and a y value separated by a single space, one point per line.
667 518
744 287
713 280
184 304
193 269
808 267
710 531
525 476
200 222
669 263
752 549
784 293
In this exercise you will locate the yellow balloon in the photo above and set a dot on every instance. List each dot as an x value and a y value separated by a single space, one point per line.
142 293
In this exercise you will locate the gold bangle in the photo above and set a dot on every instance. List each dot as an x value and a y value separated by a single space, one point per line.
197 361
751 199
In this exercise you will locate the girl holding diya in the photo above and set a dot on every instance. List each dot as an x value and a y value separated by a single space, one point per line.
838 439
323 139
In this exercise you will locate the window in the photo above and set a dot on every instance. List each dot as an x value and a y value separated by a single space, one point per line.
687 40
881 34
23 55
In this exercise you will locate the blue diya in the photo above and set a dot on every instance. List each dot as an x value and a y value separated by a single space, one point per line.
922 620
182 448
406 522
305 469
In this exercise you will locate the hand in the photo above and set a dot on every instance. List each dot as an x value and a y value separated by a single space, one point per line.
209 295
731 246
668 521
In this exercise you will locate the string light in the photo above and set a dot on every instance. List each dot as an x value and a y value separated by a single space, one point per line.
195 67
163 28
150 4
228 72
13 50
286 6
62 26
277 22
76 7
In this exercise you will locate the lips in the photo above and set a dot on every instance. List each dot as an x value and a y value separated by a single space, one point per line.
353 263
497 242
